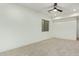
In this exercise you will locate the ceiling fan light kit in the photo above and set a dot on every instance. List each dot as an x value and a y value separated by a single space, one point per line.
54 10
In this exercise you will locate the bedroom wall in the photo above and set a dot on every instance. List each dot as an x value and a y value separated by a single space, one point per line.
65 28
20 26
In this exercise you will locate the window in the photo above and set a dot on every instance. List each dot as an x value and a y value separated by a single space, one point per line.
45 25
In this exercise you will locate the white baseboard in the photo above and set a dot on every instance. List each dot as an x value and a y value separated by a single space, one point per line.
63 38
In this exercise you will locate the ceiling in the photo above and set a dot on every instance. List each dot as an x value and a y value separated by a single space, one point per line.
69 9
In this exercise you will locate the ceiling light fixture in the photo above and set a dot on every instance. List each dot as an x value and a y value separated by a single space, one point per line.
55 10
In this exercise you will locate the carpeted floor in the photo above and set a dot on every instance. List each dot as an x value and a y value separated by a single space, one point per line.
50 47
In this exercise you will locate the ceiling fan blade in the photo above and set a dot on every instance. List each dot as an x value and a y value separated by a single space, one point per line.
59 10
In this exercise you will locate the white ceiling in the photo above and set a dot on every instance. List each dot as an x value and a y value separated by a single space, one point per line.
43 8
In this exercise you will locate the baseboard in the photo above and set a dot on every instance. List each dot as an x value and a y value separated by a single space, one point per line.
63 38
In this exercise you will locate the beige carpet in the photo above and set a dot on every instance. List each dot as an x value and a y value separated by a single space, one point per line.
50 47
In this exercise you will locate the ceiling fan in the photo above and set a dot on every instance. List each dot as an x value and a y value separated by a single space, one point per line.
55 8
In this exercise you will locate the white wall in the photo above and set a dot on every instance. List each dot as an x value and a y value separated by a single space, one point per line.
65 28
20 26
